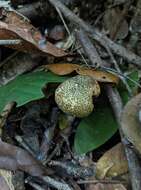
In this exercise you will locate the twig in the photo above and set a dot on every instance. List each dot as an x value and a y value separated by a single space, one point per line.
122 77
48 135
133 162
73 169
21 141
106 181
56 184
34 185
95 59
10 42
96 35
89 47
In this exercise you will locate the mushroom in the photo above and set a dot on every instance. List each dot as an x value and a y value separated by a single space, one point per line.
75 95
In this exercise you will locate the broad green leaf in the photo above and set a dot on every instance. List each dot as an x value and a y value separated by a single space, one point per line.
122 89
27 87
95 129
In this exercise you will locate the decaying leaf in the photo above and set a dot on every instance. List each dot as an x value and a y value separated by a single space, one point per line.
112 163
130 122
14 158
64 69
16 26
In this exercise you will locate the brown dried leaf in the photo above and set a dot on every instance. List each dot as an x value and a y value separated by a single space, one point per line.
16 26
130 122
109 165
64 69
98 75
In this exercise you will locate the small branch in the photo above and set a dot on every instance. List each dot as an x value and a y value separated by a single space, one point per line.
56 184
133 162
48 135
96 35
10 42
89 47
34 185
73 169
106 181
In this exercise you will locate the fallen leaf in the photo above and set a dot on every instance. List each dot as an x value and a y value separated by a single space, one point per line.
96 130
66 68
130 122
100 76
62 68
31 87
109 165
14 158
16 26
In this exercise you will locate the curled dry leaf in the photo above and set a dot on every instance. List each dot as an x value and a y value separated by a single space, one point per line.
66 68
130 122
109 165
16 26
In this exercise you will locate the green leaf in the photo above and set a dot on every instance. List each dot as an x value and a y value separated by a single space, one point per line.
27 87
95 130
122 89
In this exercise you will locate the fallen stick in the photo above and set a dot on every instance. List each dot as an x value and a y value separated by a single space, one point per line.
98 36
133 162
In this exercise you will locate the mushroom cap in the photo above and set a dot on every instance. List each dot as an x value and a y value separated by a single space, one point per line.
75 95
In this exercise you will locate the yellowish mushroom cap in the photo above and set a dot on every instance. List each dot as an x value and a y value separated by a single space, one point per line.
75 95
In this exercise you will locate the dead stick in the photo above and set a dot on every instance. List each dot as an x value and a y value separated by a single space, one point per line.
96 35
116 103
89 47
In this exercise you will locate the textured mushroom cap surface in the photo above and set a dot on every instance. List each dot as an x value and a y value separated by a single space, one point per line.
75 95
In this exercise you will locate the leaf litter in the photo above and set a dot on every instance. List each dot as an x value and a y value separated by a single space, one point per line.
63 124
